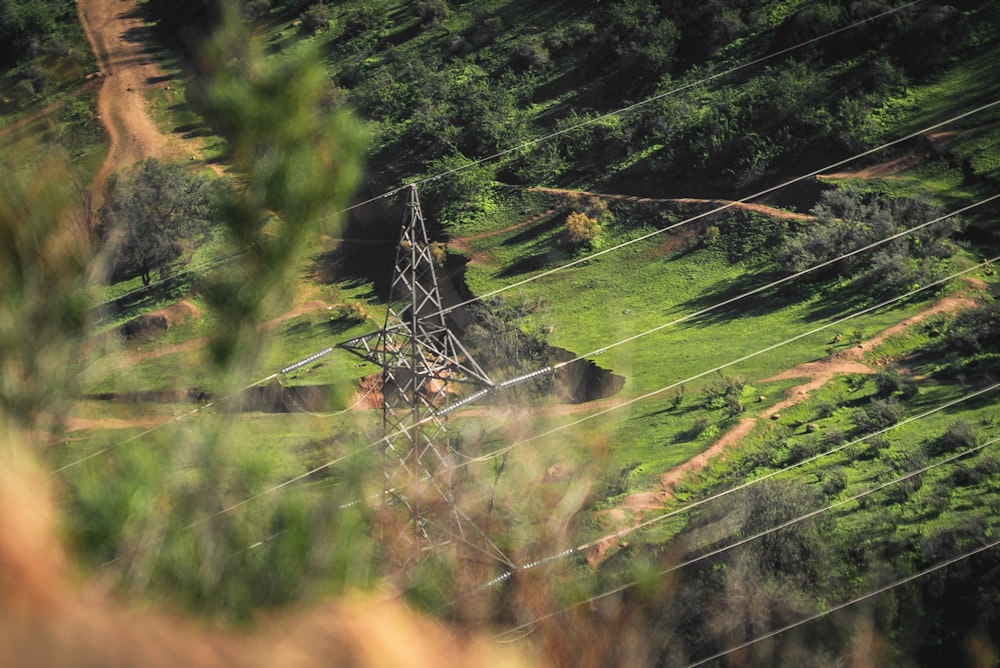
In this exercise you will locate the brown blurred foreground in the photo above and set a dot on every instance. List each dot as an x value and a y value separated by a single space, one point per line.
49 619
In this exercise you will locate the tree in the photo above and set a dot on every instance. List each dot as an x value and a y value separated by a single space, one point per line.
152 214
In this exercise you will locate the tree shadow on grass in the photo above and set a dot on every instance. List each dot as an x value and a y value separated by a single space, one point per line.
170 290
532 232
726 304
524 265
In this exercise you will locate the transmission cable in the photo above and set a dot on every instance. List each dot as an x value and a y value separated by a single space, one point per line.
545 138
743 541
655 98
599 351
547 370
718 209
172 420
653 393
621 533
880 590
502 451
696 217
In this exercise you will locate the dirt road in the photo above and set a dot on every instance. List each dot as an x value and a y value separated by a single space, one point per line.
122 45
814 374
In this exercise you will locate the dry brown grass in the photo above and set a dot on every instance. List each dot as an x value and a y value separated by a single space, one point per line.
48 617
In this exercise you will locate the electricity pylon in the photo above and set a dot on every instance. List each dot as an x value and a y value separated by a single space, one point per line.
420 359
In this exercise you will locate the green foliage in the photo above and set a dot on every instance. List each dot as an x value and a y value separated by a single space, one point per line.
316 17
152 214
27 27
848 219
834 482
433 12
180 525
960 435
640 40
747 236
44 310
496 340
298 156
974 330
892 383
620 482
881 413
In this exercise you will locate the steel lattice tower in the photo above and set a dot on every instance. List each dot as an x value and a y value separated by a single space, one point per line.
420 359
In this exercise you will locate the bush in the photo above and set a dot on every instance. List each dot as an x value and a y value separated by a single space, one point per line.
834 482
890 382
529 53
315 18
960 435
880 414
581 229
433 12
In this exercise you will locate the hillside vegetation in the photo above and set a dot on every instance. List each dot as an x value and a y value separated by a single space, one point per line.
754 430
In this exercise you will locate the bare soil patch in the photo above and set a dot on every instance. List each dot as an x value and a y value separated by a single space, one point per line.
86 424
151 325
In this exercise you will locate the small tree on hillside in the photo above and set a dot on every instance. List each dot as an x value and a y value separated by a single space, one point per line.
583 226
153 213
581 229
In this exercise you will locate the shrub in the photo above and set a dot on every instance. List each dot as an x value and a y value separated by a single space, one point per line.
880 414
529 53
834 482
891 382
433 12
581 229
960 435
316 17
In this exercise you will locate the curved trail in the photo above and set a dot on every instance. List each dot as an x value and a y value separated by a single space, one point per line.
816 375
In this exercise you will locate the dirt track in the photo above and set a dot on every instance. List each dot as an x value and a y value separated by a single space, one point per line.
816 374
121 43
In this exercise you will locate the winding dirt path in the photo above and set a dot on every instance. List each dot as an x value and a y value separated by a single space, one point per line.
122 45
816 375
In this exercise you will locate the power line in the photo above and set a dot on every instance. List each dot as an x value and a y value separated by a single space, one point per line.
502 451
653 393
510 382
691 219
660 96
714 497
539 140
743 541
819 615
177 418
568 552
599 351
721 208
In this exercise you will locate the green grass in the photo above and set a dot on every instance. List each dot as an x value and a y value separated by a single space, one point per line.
968 84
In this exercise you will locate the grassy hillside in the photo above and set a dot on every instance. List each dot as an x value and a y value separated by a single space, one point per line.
730 99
